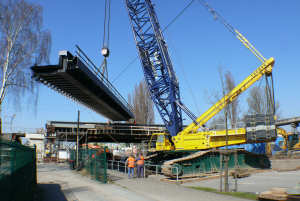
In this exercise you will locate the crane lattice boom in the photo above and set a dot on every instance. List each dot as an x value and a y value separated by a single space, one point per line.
156 63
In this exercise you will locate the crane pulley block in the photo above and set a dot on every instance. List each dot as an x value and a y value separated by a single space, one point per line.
260 128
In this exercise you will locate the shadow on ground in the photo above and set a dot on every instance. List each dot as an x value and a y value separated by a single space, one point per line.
114 178
50 192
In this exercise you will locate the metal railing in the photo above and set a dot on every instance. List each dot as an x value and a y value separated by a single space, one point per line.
121 167
105 81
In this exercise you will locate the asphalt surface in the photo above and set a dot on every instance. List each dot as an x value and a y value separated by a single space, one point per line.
59 183
258 182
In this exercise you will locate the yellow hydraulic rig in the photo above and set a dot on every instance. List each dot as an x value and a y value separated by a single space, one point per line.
192 139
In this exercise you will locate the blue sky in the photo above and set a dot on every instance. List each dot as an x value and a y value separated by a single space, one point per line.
198 45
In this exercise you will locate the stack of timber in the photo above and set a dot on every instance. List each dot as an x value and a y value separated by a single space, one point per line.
277 194
240 173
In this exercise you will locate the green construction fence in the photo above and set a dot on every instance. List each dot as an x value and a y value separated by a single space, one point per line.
93 161
210 162
17 171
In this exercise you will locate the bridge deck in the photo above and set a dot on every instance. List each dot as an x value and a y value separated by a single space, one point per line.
77 79
293 120
102 132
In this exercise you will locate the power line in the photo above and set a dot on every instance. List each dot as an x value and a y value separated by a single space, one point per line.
164 29
178 15
185 77
124 69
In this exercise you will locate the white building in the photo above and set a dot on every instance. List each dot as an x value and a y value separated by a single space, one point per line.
38 141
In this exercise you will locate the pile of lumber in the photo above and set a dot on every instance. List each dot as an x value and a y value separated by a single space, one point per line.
277 194
240 173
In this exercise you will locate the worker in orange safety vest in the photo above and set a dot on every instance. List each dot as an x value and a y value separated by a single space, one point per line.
140 165
130 162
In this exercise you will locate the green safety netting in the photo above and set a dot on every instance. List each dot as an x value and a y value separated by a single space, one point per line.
210 162
17 171
93 161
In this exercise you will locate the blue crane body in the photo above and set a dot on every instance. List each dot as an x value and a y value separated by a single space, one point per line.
157 66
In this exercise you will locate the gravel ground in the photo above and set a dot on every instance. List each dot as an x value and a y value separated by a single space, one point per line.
59 183
257 183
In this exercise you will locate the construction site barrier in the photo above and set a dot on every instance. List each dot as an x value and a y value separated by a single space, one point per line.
93 161
17 171
121 167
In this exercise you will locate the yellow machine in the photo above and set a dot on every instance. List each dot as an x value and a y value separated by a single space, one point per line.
193 145
290 144
190 138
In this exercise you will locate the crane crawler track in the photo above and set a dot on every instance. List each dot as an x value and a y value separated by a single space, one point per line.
167 166
208 162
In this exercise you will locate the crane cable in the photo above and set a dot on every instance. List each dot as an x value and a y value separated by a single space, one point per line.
106 24
234 31
105 44
163 30
269 90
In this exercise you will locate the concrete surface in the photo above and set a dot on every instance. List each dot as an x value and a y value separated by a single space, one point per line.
59 183
75 187
157 190
258 182
285 164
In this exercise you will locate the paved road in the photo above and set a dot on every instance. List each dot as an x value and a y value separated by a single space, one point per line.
60 184
259 182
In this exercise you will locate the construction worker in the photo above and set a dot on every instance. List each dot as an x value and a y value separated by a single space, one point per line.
130 162
140 165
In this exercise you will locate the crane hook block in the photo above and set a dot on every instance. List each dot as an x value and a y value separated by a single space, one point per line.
105 52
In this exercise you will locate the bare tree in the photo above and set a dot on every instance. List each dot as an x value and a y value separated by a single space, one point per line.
142 104
228 84
233 115
22 43
226 159
258 102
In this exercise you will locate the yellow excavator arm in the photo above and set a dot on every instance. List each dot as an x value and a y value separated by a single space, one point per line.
264 69
192 139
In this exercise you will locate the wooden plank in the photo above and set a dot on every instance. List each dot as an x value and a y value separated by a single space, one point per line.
277 194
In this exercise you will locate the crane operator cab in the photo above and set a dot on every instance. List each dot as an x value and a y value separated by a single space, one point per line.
162 142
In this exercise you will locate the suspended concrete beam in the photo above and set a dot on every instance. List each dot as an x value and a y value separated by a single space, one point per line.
77 79
283 122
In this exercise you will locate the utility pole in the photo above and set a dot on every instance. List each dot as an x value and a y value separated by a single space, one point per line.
235 170
221 171
225 155
77 141
226 185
